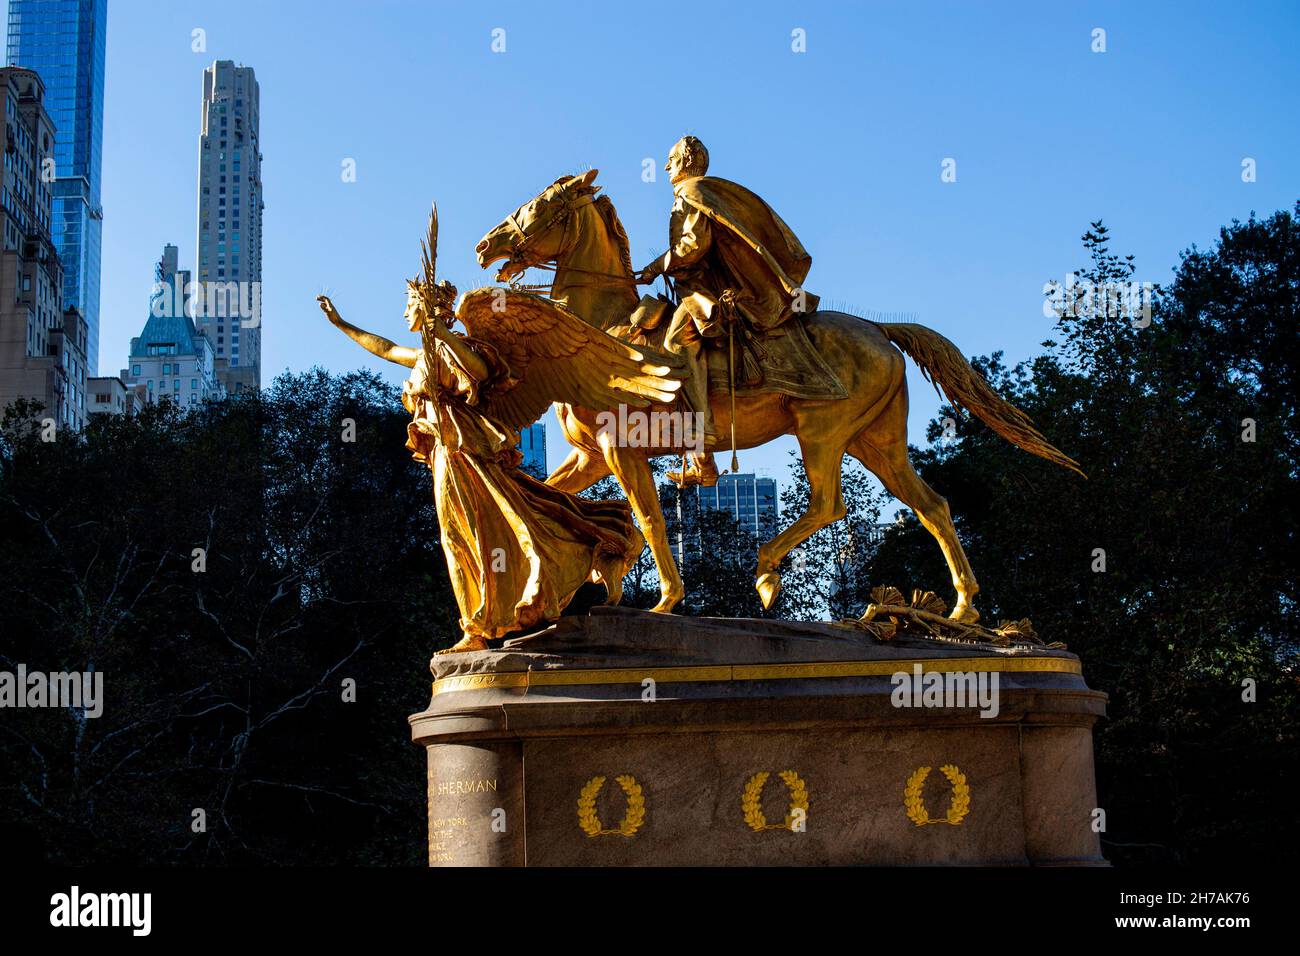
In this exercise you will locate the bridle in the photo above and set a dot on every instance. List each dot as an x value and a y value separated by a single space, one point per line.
564 217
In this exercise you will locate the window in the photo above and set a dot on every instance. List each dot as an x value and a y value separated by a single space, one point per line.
194 383
167 369
135 370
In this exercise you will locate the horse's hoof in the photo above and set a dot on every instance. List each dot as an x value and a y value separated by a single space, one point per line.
666 604
768 586
964 614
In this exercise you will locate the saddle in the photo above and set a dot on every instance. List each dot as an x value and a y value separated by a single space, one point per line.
781 360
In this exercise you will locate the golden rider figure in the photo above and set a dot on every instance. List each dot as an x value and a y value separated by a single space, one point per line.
732 258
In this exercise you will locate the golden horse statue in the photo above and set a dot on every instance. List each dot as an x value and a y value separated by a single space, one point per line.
568 228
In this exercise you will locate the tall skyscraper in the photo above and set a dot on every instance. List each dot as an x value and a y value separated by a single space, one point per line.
229 264
63 41
42 345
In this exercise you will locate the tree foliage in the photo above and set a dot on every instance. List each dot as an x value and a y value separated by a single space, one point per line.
1196 526
224 687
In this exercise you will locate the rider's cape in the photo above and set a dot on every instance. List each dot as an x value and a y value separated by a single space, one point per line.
760 257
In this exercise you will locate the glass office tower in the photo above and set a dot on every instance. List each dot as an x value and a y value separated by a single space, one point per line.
63 41
532 442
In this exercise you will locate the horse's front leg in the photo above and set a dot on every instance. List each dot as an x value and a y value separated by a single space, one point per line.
579 471
632 469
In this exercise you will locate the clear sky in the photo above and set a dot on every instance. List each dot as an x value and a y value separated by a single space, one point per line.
845 140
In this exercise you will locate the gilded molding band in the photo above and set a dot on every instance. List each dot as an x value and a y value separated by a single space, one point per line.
742 672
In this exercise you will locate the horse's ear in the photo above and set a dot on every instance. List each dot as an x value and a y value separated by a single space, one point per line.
587 178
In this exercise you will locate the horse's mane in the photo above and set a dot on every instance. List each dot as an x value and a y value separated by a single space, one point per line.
607 212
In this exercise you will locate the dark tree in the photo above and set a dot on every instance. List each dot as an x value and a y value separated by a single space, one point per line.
240 575
1191 511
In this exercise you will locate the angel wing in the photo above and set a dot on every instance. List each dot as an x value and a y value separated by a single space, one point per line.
555 356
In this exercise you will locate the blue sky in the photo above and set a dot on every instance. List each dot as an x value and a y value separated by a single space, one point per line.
845 141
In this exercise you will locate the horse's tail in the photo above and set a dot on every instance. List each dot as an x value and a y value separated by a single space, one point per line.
946 368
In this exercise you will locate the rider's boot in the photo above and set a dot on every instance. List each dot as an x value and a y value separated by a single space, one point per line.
701 470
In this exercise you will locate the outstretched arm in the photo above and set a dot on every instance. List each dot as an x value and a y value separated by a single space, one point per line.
374 344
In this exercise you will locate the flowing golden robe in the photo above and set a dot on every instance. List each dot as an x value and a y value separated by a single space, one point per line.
516 548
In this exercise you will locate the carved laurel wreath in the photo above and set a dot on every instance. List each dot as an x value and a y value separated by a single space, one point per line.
632 818
751 801
958 807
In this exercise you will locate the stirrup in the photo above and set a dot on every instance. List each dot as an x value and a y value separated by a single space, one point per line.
693 475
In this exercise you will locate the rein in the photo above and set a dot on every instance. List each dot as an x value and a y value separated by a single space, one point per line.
564 217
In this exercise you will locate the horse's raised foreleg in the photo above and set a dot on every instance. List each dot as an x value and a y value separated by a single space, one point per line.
821 461
579 471
890 463
632 469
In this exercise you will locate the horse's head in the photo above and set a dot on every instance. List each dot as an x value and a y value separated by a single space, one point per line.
541 230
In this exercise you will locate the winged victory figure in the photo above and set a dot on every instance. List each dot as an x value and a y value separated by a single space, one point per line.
517 549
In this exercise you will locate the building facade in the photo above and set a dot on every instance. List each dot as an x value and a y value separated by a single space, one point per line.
229 266
43 346
532 442
747 497
108 395
64 42
172 358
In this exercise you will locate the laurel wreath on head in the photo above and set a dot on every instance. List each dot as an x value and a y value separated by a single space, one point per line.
633 817
958 807
751 801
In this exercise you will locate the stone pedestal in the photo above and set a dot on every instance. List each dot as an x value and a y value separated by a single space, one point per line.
631 739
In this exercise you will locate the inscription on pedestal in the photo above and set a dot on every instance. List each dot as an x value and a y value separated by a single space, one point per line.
475 805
